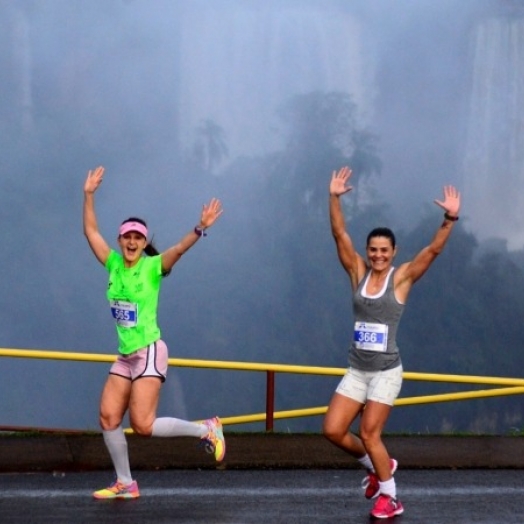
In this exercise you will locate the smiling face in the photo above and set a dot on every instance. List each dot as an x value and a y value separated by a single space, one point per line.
132 244
380 253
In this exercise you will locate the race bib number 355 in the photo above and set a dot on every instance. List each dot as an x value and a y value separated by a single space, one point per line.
125 313
371 337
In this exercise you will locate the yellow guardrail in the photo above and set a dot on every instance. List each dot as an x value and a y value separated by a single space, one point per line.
512 386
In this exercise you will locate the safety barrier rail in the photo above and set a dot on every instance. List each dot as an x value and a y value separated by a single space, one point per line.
511 386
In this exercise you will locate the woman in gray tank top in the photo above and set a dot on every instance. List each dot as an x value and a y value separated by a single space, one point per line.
374 377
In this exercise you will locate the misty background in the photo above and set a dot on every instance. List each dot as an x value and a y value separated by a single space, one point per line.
256 103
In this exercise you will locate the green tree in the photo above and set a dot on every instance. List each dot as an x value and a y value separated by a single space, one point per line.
323 133
314 313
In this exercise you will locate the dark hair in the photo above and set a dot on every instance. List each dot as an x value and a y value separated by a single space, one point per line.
382 232
150 250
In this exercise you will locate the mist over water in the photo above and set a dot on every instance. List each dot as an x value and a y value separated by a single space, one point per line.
250 58
182 101
494 158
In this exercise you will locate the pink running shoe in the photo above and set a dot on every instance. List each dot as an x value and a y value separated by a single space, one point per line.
386 507
370 483
117 490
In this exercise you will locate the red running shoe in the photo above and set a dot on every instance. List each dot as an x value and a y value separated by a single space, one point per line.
386 507
370 483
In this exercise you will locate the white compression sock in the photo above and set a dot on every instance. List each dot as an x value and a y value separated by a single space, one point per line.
175 427
116 444
366 462
388 487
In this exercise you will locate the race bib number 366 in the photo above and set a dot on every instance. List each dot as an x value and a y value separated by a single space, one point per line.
125 313
371 337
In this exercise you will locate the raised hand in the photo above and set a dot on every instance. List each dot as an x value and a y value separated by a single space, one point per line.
210 212
94 179
339 182
451 202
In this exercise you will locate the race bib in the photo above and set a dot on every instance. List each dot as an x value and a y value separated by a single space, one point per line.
371 337
125 313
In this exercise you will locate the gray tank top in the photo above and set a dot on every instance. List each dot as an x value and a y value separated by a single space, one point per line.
374 346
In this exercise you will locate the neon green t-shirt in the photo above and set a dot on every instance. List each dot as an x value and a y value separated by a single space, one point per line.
133 298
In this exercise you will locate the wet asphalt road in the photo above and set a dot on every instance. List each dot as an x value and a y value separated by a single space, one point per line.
258 496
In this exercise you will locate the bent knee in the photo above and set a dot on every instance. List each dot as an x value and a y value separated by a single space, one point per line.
109 423
144 430
332 433
370 438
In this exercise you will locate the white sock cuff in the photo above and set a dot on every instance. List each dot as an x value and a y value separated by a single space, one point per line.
366 462
114 435
388 487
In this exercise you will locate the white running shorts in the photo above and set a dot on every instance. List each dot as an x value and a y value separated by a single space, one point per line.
379 386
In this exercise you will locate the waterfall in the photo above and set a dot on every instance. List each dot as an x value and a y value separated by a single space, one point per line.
494 159
16 111
238 65
22 60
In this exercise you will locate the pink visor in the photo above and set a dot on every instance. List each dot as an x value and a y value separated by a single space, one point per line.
132 226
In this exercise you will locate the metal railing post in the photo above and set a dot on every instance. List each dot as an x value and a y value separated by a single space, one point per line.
270 399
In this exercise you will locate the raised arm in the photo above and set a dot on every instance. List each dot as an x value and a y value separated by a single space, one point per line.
351 261
210 213
96 242
410 272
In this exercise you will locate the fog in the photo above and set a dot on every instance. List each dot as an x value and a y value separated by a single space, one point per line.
184 101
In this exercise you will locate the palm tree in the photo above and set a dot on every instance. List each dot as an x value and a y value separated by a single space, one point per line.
210 148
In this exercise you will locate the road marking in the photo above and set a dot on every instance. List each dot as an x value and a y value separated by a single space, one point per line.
269 492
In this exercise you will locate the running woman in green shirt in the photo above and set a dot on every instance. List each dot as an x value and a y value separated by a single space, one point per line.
136 377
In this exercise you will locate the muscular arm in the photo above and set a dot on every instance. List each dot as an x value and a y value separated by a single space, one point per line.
210 212
173 254
410 272
95 240
351 261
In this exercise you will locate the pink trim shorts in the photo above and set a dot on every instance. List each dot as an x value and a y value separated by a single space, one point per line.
150 361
